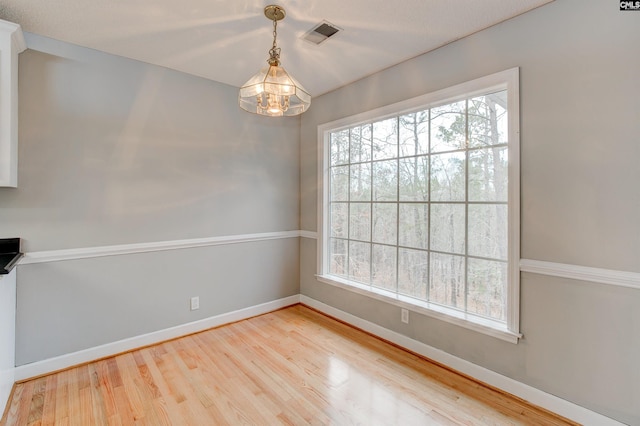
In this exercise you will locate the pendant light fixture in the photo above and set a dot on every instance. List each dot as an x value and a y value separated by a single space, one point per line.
272 91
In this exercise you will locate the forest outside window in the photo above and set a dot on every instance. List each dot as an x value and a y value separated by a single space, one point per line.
420 204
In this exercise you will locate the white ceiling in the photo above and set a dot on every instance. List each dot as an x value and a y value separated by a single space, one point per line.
228 41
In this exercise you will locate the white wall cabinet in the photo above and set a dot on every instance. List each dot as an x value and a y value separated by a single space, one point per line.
11 44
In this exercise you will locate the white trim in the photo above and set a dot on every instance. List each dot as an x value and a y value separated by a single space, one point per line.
47 366
504 80
513 110
479 86
322 185
116 250
17 37
521 390
309 234
442 313
11 44
582 273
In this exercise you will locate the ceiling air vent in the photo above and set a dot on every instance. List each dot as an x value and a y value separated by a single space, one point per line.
320 32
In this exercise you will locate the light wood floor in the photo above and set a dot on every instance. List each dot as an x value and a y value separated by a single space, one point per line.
294 366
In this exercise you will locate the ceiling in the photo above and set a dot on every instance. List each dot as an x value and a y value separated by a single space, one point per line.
228 41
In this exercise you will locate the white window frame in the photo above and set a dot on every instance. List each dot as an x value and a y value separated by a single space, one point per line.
504 80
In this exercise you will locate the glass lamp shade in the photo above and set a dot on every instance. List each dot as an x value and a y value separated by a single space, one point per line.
273 92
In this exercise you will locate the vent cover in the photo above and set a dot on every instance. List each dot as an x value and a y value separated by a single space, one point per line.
321 32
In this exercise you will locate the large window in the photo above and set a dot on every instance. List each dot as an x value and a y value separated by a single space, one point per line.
420 204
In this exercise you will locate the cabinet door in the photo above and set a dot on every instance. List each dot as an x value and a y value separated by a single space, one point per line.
11 44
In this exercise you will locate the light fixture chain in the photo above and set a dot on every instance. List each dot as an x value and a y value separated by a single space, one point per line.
275 32
274 53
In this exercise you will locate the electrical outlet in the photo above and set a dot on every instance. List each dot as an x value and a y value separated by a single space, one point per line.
195 303
404 316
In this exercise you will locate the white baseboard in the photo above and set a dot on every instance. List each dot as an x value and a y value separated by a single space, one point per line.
61 362
534 396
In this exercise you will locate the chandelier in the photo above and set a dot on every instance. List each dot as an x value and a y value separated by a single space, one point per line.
272 91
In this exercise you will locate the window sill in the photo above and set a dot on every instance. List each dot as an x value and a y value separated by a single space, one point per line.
452 316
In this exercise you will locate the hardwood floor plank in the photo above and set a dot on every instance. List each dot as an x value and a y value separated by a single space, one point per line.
132 386
49 405
164 402
72 397
97 399
289 367
14 411
62 400
37 402
227 387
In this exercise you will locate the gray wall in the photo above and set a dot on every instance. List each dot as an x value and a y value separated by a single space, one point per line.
580 111
72 305
114 151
